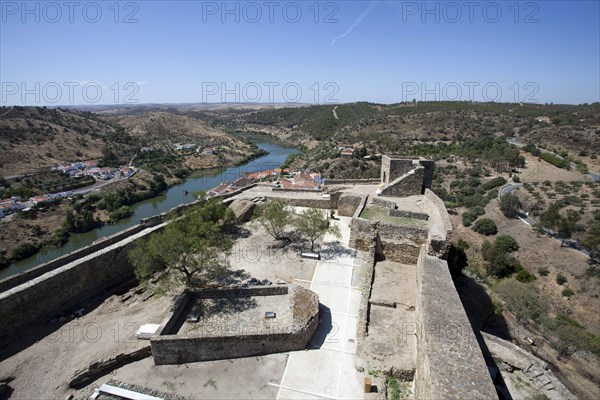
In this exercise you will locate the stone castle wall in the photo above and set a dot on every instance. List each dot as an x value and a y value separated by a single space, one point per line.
169 348
67 286
450 364
297 201
409 184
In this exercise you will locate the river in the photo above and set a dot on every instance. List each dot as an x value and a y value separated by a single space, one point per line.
200 180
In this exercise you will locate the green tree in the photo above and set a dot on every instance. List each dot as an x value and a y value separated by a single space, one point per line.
314 224
485 226
510 205
592 240
522 299
568 225
274 216
192 247
506 244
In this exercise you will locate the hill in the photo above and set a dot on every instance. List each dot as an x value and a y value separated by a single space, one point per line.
36 138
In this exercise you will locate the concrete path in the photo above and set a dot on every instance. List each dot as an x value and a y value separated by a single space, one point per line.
327 369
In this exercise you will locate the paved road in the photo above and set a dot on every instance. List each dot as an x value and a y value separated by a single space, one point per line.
509 189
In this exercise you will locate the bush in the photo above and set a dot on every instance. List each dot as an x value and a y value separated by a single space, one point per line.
121 213
24 250
525 276
560 279
493 183
462 244
522 299
543 271
506 244
485 226
568 292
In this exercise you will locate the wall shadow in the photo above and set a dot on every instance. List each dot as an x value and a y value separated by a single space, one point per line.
481 313
323 330
55 332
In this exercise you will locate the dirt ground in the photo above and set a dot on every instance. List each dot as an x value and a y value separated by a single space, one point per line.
51 354
535 251
46 363
537 170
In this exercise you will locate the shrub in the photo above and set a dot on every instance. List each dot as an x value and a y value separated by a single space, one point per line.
568 292
522 299
462 244
560 279
485 226
24 250
493 183
543 271
506 244
525 276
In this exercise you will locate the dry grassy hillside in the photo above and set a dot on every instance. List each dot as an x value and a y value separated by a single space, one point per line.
32 138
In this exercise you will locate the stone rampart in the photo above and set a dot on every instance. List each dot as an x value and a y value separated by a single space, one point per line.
171 348
450 364
67 286
330 203
409 184
348 204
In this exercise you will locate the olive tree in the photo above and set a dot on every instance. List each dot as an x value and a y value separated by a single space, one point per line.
192 248
314 224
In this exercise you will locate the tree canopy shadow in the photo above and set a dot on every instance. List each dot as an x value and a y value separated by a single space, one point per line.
336 250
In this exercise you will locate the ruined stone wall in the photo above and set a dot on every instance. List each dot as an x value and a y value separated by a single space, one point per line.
180 350
362 232
63 288
169 348
399 243
385 203
327 204
450 364
409 184
365 181
402 243
394 167
409 214
348 204
441 207
18 279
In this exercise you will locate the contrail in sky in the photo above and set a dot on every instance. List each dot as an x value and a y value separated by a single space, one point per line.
360 18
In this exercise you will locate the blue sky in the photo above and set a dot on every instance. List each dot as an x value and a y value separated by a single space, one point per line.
53 53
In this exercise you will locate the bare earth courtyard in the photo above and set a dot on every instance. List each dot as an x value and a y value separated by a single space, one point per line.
326 370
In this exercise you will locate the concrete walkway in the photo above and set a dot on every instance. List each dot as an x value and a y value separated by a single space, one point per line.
327 369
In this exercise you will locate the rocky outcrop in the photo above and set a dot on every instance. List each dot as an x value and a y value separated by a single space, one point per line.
510 358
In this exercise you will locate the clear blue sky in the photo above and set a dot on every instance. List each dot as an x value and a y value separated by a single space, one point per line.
379 51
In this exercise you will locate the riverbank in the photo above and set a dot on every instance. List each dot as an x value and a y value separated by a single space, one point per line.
177 194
